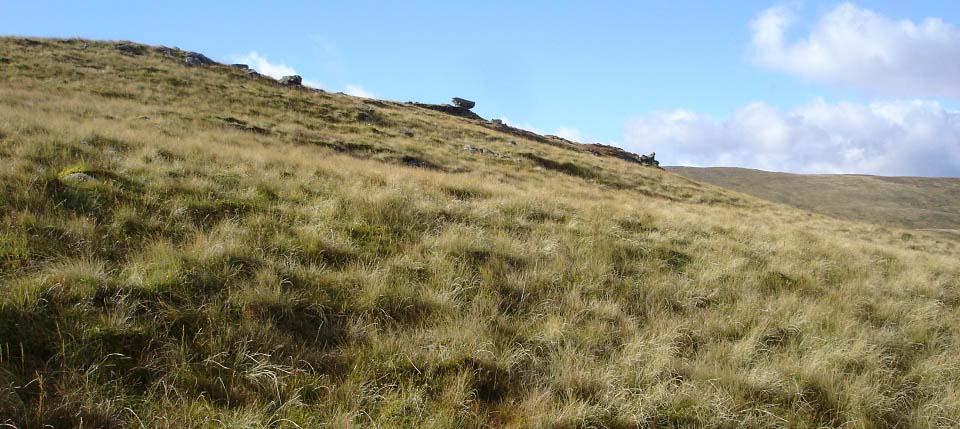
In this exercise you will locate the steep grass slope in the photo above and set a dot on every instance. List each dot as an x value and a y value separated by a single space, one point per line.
905 202
193 247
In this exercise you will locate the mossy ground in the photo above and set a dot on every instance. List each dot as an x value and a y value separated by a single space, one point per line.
319 259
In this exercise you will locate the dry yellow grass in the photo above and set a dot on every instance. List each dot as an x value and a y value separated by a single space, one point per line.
306 274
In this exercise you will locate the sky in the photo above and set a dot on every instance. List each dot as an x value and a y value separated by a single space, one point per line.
868 87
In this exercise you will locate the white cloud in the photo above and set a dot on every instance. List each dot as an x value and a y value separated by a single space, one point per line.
569 133
524 126
358 91
859 47
262 65
889 138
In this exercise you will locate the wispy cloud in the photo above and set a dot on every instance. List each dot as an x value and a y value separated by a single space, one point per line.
264 66
859 47
261 64
570 133
358 91
892 138
523 126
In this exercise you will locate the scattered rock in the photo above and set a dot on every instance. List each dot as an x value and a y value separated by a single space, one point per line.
463 103
518 132
294 80
195 59
482 151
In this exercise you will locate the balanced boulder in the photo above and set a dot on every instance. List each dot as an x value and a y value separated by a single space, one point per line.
463 103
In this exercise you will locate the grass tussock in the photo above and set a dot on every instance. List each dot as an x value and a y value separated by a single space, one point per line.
355 267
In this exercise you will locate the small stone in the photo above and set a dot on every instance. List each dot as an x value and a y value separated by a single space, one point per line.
78 177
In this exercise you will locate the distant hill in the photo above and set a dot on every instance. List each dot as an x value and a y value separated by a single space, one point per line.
908 202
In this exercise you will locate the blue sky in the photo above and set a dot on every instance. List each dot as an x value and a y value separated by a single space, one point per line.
680 77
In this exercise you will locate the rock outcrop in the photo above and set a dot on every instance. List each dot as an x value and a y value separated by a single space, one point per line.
294 80
130 49
195 59
616 152
167 52
246 69
650 159
450 109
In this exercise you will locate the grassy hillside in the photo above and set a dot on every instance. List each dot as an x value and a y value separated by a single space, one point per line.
193 247
906 202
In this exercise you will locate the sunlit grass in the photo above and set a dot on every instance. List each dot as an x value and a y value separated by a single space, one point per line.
312 275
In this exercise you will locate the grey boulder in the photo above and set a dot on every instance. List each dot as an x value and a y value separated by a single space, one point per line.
294 80
195 59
